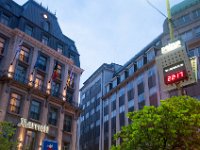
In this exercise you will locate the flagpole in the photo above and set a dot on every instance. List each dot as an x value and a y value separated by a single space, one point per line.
169 17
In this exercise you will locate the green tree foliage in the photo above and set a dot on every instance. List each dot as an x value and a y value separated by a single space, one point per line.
6 133
174 125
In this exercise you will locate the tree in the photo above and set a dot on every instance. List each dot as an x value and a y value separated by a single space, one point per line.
175 124
6 133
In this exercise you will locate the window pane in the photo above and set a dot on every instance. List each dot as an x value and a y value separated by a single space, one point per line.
53 116
15 102
5 19
2 44
45 40
35 110
24 54
28 30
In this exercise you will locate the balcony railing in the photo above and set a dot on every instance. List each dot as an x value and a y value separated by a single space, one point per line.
25 81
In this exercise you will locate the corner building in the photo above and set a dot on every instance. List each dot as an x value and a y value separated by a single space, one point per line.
32 46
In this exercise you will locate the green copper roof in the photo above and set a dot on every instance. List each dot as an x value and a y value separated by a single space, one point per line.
183 5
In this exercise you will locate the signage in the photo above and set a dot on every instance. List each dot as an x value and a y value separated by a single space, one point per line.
175 73
49 145
170 47
31 125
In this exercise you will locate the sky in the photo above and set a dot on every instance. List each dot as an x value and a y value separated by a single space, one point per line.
107 31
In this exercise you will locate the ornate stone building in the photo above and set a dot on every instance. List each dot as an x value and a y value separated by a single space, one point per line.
39 76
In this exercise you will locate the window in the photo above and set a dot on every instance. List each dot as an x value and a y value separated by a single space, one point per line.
71 79
115 83
55 89
59 71
24 54
121 109
131 70
66 146
150 55
182 20
53 116
140 63
140 87
30 140
46 26
196 13
122 76
35 110
186 36
197 31
2 45
39 81
67 123
42 62
15 103
97 122
130 103
20 73
60 48
113 113
45 40
29 30
92 112
106 117
70 95
5 19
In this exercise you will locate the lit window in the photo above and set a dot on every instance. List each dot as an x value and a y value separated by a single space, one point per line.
53 116
67 123
15 102
24 54
4 19
29 30
35 110
45 40
2 45
60 48
39 81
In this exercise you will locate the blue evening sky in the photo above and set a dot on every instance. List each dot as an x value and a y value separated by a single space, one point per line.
107 31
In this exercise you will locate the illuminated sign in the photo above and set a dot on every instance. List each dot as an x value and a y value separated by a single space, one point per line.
170 47
34 126
175 77
175 73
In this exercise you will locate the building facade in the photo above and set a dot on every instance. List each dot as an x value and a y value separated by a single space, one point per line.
90 125
137 83
39 76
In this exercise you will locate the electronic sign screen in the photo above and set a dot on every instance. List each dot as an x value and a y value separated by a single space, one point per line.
175 73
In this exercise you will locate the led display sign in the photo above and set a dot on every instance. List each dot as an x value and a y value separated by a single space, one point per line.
175 73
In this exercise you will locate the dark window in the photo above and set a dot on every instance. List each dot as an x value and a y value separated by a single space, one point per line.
69 95
67 123
53 116
140 88
29 30
130 94
45 40
121 100
24 54
42 62
196 13
20 73
60 48
15 103
35 110
152 81
122 119
55 89
2 45
5 19
113 105
66 146
106 110
141 104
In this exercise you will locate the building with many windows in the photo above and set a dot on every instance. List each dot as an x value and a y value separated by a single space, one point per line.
91 102
137 83
39 76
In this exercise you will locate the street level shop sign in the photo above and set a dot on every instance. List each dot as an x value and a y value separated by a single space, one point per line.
31 125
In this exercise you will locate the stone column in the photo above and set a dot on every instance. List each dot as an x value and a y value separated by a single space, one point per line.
60 130
126 105
74 129
136 97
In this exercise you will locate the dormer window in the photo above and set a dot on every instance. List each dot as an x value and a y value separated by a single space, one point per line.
150 55
45 40
60 48
46 26
140 63
5 19
29 30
